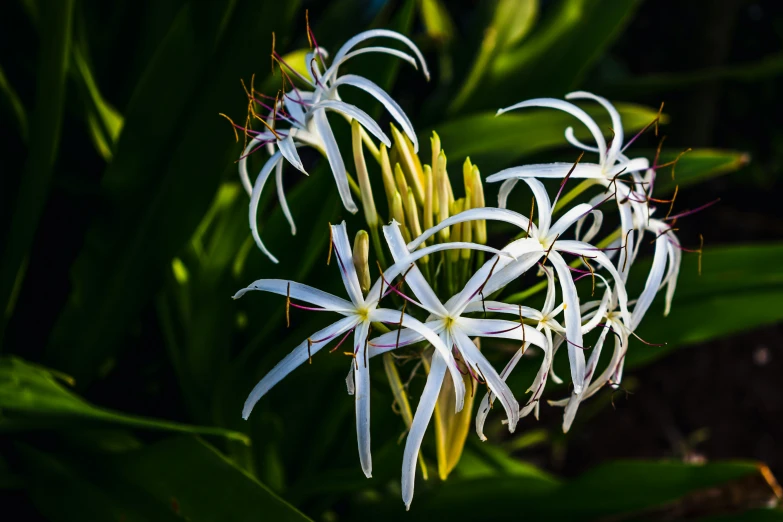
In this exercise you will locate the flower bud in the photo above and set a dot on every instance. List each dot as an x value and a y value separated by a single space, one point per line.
479 226
456 230
412 217
368 203
467 174
435 143
466 232
398 214
388 178
361 257
428 197
409 164
402 184
443 195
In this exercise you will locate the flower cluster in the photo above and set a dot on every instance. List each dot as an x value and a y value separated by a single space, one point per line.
441 283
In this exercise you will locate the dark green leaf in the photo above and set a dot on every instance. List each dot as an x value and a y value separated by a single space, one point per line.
697 166
33 397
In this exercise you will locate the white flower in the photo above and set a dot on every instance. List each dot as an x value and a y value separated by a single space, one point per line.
358 313
543 242
302 115
630 197
456 331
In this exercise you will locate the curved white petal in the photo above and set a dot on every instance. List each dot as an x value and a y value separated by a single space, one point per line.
505 191
294 359
488 213
354 112
482 367
300 292
570 108
489 397
501 329
335 159
342 250
627 167
388 102
617 122
572 139
573 320
599 314
381 33
653 283
362 396
429 397
400 338
332 70
405 320
282 199
413 276
288 150
675 257
569 218
513 271
573 402
551 292
255 199
549 170
496 307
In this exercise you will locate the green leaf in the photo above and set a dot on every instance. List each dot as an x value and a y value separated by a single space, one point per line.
33 397
511 22
14 104
739 289
178 478
494 142
697 166
168 165
44 137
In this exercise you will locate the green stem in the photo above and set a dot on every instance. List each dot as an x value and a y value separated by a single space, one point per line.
566 198
377 246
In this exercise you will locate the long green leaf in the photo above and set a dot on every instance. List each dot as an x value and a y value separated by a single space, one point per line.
44 137
178 478
33 397
172 153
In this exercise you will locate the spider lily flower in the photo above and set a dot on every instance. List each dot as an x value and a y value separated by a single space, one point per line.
454 330
543 242
299 119
358 312
605 317
612 162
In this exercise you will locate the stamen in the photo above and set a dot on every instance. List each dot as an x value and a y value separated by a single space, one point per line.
565 179
689 212
701 250
233 126
331 245
288 307
309 355
273 54
625 251
653 122
532 209
592 273
481 288
664 233
647 343
399 326
349 332
548 250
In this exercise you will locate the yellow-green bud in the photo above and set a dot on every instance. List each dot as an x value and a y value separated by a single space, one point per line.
402 184
361 258
388 178
435 143
368 203
467 174
409 164
428 197
412 217
456 230
477 201
398 214
443 195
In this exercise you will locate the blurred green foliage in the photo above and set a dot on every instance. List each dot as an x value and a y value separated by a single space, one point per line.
115 106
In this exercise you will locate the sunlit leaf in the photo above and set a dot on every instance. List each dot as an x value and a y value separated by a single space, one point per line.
33 397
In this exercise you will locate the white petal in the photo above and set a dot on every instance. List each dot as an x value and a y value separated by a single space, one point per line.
335 159
381 33
543 204
626 167
489 397
585 249
570 108
300 292
255 199
476 283
379 94
569 218
294 359
551 292
362 397
421 419
394 317
573 402
573 320
505 190
282 199
571 138
653 283
488 213
481 366
288 150
617 122
501 329
514 270
243 175
413 278
599 314
400 338
549 170
675 257
342 250
332 70
496 307
352 111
